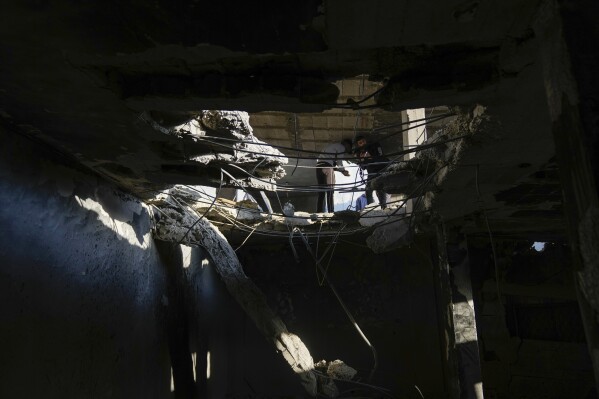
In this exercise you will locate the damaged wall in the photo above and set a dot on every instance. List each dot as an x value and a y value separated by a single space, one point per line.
392 297
531 337
93 306
81 286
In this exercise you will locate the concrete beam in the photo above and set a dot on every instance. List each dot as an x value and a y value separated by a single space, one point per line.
184 225
464 320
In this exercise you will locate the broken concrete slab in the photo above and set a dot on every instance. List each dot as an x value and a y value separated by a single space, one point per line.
182 224
390 235
225 138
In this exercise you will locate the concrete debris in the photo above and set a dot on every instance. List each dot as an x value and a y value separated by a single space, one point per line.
429 167
226 137
247 204
373 215
288 209
392 232
464 323
335 370
214 158
247 212
338 369
299 219
406 182
234 127
390 235
234 122
348 216
258 184
182 224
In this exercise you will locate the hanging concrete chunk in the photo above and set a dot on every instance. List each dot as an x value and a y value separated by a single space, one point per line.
390 235
226 137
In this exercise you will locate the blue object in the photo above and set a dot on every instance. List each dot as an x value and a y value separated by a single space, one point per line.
361 202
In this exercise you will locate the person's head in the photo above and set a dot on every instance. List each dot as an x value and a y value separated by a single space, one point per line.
360 141
347 144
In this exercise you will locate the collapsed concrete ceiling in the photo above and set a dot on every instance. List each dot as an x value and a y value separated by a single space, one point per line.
89 83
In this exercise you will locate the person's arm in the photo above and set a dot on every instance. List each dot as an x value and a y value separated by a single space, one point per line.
340 164
341 168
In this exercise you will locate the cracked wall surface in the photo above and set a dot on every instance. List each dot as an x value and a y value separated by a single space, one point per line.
82 284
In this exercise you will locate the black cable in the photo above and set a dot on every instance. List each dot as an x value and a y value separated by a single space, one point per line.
428 118
401 131
403 152
251 230
204 214
419 148
345 309
236 223
411 194
217 138
356 104
296 145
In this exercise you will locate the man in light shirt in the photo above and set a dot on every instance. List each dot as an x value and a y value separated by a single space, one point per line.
330 161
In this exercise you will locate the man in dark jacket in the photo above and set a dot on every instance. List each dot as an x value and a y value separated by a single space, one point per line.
371 158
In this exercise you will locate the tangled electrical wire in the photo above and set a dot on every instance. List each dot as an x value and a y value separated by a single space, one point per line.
236 174
390 217
221 142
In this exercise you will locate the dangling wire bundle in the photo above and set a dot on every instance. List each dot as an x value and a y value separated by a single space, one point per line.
345 309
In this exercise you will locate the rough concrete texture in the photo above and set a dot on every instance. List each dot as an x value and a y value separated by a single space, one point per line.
81 285
394 233
464 316
464 323
338 369
437 156
230 141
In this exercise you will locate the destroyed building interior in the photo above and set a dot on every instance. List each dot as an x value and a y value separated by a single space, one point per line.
160 236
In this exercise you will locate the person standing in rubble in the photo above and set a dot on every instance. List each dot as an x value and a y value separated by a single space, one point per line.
330 161
370 158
